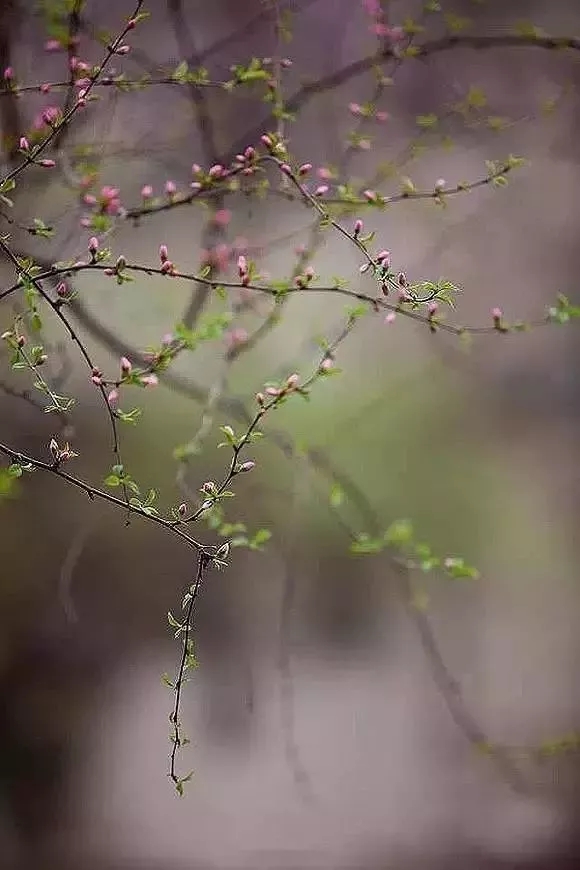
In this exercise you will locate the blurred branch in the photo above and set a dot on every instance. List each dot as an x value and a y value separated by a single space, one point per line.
12 125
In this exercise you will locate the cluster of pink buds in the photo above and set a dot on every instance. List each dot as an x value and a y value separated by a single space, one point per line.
79 68
107 202
246 161
432 309
383 258
93 247
149 380
48 116
291 384
167 267
236 338
302 280
367 112
379 24
498 321
243 270
97 377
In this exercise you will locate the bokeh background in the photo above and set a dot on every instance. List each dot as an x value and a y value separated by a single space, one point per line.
326 730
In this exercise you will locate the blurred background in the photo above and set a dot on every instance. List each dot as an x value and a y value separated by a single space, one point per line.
332 722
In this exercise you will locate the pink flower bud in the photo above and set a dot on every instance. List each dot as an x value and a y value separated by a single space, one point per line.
391 317
497 313
384 259
242 266
285 169
170 188
163 254
292 381
250 153
150 380
222 217
195 168
246 466
266 141
370 195
382 116
432 309
8 73
182 509
93 245
216 171
305 168
126 366
355 108
358 225
46 163
24 144
146 191
113 398
321 190
97 381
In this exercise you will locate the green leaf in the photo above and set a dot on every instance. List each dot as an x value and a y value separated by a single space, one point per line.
366 545
336 496
399 533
